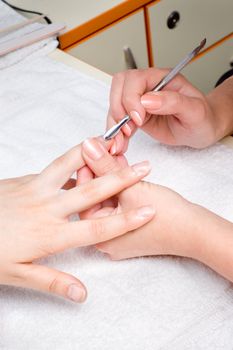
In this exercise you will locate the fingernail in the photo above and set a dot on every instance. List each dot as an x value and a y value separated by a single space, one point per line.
151 100
127 130
94 149
75 293
113 149
136 117
145 211
142 168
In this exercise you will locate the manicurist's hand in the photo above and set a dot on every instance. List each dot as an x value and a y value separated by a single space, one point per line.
179 227
34 221
178 115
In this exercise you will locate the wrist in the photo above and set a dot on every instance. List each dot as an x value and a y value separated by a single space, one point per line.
220 123
181 234
190 236
220 103
213 243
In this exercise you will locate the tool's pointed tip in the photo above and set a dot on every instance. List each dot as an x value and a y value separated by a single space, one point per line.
199 47
202 43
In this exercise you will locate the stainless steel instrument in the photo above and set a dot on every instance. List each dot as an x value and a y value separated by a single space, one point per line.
113 131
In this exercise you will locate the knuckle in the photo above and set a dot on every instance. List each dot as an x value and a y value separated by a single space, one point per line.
201 112
114 112
49 247
14 274
56 281
121 176
108 165
126 221
177 99
89 190
132 73
97 230
180 78
127 100
157 73
117 77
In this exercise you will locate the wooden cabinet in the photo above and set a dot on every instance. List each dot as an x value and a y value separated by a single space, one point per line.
198 19
193 20
105 50
152 39
98 31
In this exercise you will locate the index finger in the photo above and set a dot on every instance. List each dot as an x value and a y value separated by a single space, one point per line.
56 174
136 83
88 232
98 190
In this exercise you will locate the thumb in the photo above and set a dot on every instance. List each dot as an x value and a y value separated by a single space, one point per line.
185 108
48 280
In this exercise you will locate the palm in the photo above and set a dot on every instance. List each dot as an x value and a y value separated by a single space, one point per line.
130 245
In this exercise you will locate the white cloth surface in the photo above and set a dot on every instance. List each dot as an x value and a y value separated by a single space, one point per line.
146 303
10 17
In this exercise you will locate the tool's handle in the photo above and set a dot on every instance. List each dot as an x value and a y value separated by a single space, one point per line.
179 67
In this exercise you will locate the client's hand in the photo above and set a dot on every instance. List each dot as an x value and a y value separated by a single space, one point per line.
179 227
169 232
34 221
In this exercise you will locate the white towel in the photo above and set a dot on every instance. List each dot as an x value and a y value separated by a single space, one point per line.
146 303
9 17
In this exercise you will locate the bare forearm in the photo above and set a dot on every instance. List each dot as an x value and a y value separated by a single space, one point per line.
221 102
214 241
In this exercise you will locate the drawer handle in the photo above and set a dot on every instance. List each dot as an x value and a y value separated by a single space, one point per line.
129 58
173 19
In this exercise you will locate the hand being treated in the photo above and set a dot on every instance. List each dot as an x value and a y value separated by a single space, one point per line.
178 115
178 227
34 221
170 237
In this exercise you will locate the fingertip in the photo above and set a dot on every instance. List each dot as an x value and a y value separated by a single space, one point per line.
125 147
119 139
116 147
146 212
136 117
77 293
127 130
113 149
152 100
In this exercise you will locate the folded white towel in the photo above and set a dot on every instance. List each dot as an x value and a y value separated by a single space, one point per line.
9 17
145 303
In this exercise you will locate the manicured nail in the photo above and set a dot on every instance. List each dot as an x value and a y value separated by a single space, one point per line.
127 130
151 100
94 149
75 293
146 211
136 117
113 149
142 168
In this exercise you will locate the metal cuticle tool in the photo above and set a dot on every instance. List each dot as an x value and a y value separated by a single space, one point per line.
113 131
